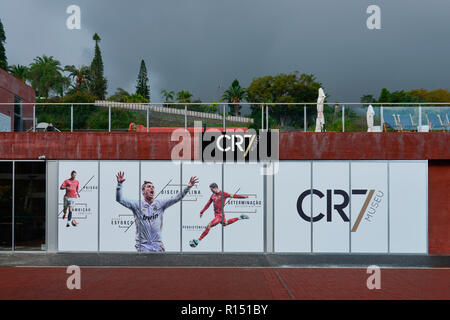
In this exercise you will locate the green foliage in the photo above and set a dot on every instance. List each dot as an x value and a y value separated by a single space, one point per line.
142 87
98 84
235 94
413 96
80 75
122 95
397 96
184 96
284 88
438 95
256 115
19 71
46 76
79 97
167 96
211 108
120 119
60 115
3 59
368 98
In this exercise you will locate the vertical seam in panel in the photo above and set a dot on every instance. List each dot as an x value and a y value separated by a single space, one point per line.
223 209
311 209
273 210
46 206
426 209
98 206
140 209
350 206
265 208
13 206
181 206
57 206
389 208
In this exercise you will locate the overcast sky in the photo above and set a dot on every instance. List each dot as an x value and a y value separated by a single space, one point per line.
200 45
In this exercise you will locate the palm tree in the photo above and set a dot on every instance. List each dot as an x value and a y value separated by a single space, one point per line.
235 94
184 96
19 71
62 86
81 75
45 75
167 95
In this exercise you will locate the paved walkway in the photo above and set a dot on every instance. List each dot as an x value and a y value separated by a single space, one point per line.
244 283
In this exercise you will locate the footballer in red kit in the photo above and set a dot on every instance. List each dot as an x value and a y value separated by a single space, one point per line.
217 198
72 191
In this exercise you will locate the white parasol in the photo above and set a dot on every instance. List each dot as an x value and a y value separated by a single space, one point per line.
320 121
370 115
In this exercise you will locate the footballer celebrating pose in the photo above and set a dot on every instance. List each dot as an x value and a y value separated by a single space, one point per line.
218 199
71 186
149 213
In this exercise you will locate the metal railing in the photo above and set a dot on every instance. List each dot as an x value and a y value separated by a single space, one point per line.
147 117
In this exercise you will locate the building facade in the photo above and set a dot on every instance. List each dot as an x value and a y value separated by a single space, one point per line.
15 115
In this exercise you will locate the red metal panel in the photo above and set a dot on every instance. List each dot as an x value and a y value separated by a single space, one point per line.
439 207
293 145
364 146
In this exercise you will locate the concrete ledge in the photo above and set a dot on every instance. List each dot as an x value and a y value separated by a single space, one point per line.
223 260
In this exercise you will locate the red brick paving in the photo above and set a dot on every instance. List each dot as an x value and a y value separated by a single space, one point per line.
222 283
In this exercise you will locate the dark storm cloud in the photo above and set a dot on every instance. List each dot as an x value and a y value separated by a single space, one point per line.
200 45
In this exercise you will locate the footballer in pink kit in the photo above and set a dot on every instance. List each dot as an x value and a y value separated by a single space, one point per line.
72 191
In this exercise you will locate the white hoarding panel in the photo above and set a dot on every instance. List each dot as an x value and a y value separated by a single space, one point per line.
82 232
331 206
292 189
408 207
5 123
369 207
165 176
117 225
244 211
194 225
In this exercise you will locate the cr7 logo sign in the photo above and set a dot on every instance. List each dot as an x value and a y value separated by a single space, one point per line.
370 205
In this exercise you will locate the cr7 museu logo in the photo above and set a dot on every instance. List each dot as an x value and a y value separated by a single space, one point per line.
372 201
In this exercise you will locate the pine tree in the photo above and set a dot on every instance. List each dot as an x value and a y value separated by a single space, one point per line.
98 83
142 86
3 61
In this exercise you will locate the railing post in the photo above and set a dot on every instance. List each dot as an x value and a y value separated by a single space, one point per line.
343 118
267 118
71 118
420 117
223 116
304 118
109 119
148 117
381 118
185 117
34 118
262 116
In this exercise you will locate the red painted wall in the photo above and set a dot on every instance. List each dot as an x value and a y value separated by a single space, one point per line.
365 146
10 87
293 145
306 146
439 207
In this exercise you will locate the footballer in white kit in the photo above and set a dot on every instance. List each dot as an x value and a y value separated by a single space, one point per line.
149 214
